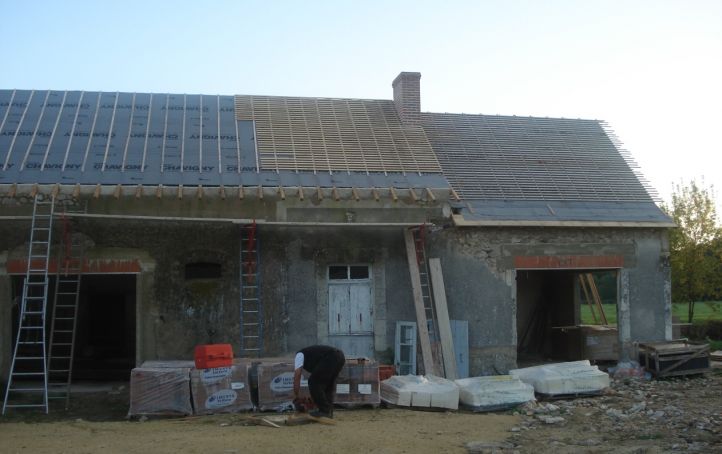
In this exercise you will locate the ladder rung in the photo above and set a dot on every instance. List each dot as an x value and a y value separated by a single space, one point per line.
251 324
67 293
64 318
24 405
32 327
64 305
58 370
25 374
64 331
30 343
59 357
250 312
252 349
62 343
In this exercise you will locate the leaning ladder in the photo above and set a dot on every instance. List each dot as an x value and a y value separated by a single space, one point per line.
28 370
64 315
250 287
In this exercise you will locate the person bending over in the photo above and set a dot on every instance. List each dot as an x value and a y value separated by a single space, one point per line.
324 363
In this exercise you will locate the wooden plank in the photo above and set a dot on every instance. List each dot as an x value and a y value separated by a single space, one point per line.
422 328
442 318
597 298
583 284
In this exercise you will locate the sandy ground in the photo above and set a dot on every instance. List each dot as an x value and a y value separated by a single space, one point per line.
633 416
356 431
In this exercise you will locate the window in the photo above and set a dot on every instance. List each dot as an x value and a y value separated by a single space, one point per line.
203 270
348 272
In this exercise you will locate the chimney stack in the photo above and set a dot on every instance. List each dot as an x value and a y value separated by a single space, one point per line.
407 96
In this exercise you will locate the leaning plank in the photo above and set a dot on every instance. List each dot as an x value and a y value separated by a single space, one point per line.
419 302
442 317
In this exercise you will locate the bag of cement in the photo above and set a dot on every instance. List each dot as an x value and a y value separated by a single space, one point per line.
576 377
497 392
420 391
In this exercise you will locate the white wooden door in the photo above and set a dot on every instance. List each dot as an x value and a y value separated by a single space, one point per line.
350 311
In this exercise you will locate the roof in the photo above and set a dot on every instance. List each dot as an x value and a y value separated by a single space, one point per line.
539 170
89 138
505 169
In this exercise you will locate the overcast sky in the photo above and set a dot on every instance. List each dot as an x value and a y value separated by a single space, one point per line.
652 70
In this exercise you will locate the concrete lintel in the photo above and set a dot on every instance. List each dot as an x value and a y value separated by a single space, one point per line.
460 221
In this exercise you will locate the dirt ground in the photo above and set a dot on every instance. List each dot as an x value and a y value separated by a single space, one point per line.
633 416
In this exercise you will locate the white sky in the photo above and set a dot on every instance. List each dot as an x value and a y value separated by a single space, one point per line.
651 69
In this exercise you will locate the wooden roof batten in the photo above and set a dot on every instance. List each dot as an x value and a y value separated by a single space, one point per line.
335 135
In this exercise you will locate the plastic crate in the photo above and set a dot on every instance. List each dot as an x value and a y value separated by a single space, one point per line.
213 355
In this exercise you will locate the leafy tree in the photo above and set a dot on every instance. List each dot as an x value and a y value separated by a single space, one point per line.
695 245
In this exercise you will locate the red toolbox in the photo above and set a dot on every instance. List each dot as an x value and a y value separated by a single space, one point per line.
214 355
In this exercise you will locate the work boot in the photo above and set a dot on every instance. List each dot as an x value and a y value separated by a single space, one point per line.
320 414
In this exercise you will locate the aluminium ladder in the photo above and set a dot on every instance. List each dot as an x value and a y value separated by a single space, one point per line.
251 313
63 322
28 379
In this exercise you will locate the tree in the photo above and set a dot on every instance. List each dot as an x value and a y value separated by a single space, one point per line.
695 245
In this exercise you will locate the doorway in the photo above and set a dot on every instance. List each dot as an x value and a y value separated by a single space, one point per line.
105 331
555 311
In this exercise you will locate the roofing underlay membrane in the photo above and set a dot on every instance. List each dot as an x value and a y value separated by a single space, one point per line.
71 137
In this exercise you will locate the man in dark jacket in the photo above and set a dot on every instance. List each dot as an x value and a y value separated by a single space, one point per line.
324 363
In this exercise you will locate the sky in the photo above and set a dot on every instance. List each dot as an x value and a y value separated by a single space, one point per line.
651 69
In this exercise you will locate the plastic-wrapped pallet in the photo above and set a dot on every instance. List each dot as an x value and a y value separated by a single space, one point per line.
576 377
496 392
160 390
275 385
420 391
358 383
222 389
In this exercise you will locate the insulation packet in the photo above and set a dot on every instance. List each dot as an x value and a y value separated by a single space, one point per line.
420 391
161 388
222 389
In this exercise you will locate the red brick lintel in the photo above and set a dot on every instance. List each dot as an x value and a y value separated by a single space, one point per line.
95 266
568 261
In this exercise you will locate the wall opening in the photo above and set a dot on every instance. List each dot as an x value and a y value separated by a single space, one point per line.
105 330
555 321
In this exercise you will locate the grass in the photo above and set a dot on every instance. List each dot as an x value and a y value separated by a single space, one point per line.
703 311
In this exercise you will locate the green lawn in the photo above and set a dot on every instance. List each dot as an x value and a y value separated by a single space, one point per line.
702 311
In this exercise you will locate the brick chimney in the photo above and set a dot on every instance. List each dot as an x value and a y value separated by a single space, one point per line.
407 96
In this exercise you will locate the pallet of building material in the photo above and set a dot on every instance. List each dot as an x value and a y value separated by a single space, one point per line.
275 385
492 393
575 378
222 389
716 355
674 358
160 391
358 384
420 391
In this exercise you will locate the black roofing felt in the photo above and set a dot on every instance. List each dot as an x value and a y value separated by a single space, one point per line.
150 139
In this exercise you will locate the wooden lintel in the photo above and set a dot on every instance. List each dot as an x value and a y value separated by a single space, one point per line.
335 194
413 195
118 191
180 191
76 191
55 191
355 193
260 191
35 189
281 193
13 190
241 193
159 191
139 191
319 192
430 194
300 193
455 195
222 192
375 192
96 192
392 191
